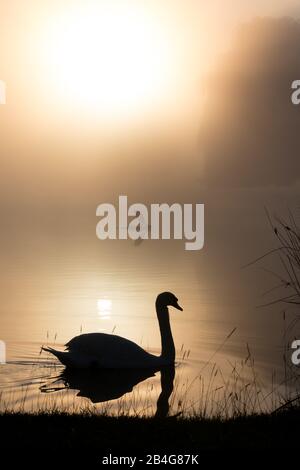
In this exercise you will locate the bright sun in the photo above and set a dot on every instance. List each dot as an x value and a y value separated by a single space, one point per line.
108 58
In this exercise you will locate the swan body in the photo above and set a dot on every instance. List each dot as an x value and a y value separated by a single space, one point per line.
106 351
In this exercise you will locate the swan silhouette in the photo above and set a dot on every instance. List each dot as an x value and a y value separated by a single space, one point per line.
106 351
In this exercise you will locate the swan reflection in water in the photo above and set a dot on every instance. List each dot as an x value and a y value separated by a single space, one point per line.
105 385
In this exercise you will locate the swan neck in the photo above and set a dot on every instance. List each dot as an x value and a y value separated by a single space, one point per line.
167 343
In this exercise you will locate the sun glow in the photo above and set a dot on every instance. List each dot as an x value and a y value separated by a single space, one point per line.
104 307
110 58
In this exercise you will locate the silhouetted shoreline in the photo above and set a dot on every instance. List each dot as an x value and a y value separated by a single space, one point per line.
97 436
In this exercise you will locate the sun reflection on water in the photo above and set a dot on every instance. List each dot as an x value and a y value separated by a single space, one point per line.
104 308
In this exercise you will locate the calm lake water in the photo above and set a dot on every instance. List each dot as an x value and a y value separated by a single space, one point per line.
50 298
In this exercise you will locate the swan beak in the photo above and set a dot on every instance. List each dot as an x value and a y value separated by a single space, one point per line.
178 307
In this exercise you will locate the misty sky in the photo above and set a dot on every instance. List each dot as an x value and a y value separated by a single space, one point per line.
226 135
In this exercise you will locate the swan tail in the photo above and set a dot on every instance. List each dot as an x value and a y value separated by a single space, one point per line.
50 350
61 355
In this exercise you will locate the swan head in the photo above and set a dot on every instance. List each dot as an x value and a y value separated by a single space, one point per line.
167 299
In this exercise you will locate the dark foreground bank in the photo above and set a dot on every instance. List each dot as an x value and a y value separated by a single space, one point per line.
98 436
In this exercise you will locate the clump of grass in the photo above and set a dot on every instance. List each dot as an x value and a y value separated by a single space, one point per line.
287 234
287 252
